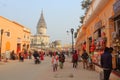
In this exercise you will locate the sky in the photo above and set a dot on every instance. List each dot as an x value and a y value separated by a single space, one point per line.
60 15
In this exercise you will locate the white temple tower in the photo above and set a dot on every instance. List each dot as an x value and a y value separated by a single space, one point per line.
41 39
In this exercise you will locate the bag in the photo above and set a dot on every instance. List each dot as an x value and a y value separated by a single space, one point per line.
102 75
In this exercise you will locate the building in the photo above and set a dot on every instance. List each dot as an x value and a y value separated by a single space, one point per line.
40 40
100 28
116 19
14 36
55 46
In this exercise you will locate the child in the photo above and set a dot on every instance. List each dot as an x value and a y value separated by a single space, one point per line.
55 61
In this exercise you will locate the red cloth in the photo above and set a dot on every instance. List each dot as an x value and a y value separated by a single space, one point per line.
92 49
75 57
84 47
42 56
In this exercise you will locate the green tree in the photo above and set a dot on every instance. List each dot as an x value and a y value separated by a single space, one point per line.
81 19
85 4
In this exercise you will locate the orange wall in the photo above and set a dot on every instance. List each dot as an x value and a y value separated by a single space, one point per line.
104 15
16 31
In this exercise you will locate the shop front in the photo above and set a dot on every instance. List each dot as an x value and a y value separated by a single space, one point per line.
116 36
98 42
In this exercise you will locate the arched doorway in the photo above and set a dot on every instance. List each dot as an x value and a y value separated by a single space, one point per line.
7 50
18 47
7 46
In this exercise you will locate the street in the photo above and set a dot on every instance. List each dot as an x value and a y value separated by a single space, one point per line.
27 70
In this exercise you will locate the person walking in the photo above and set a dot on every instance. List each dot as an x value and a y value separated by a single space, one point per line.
41 55
21 56
30 55
36 57
54 62
12 55
85 59
75 59
61 60
106 62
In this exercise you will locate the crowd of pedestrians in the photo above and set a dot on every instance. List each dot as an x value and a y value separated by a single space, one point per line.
58 59
85 58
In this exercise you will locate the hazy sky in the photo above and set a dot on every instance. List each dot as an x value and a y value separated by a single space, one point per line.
60 15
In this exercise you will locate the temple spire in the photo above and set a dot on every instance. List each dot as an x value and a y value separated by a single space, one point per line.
41 24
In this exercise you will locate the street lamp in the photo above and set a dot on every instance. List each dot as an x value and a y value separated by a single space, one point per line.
1 43
72 31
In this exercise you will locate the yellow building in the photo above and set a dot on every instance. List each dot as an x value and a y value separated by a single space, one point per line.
100 28
14 36
98 24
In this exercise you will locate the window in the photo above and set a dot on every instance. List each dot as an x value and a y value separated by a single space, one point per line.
24 36
8 34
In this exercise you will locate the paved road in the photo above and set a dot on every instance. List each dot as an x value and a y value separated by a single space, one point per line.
27 70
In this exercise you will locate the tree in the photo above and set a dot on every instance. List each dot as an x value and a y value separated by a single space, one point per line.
81 19
75 34
85 4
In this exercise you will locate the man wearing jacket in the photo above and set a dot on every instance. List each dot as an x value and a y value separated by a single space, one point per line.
106 62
